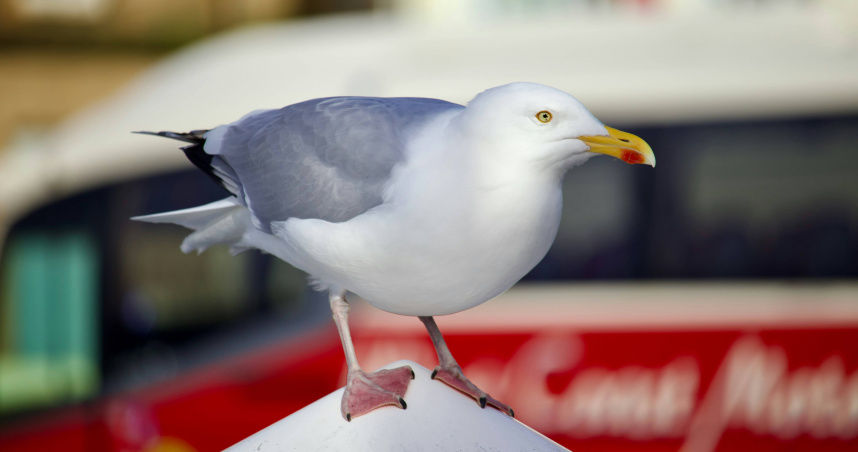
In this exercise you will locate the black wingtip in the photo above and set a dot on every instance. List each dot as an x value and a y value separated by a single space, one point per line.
197 155
195 151
194 136
145 132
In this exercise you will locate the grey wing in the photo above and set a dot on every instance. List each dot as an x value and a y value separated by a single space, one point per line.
324 158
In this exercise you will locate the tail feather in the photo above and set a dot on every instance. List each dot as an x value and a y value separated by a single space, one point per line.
193 217
221 222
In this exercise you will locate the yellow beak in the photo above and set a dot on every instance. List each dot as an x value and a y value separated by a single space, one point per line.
622 145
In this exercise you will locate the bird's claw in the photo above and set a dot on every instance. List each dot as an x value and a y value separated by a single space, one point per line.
367 391
452 376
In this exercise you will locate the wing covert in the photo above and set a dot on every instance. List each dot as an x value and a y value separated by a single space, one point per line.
324 158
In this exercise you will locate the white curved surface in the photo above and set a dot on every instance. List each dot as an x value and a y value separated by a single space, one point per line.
438 418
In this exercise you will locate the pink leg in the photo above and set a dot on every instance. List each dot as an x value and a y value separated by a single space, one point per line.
366 391
450 373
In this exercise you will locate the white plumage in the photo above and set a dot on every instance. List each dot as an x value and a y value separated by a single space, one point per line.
420 206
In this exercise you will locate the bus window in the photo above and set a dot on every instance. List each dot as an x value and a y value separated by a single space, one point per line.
48 350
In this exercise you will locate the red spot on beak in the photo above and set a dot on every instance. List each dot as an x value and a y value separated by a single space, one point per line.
630 156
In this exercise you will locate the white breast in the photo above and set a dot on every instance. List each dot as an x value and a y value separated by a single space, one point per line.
434 261
454 231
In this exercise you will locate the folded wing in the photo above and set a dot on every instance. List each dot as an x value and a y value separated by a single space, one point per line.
324 158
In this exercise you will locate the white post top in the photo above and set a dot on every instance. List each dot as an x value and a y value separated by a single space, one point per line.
438 418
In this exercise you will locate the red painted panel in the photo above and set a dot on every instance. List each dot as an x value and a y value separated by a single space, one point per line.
720 389
747 382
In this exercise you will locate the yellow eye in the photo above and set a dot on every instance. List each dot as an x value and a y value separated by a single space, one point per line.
544 116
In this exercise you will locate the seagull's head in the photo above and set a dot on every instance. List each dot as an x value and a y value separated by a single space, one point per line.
536 123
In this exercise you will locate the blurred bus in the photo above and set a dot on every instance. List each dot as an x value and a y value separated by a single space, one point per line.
115 340
723 314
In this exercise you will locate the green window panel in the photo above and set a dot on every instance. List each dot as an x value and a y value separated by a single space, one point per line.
50 284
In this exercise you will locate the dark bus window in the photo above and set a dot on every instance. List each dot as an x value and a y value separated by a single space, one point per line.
92 301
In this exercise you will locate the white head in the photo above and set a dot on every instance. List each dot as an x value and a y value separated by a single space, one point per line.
533 123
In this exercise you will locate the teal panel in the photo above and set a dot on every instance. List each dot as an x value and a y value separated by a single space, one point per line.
29 267
52 297
55 282
80 285
6 313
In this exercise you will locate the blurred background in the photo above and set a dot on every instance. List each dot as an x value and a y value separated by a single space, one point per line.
735 260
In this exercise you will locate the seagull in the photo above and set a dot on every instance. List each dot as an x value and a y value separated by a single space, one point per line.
420 206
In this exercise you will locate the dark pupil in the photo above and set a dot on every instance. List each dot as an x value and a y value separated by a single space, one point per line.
545 116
